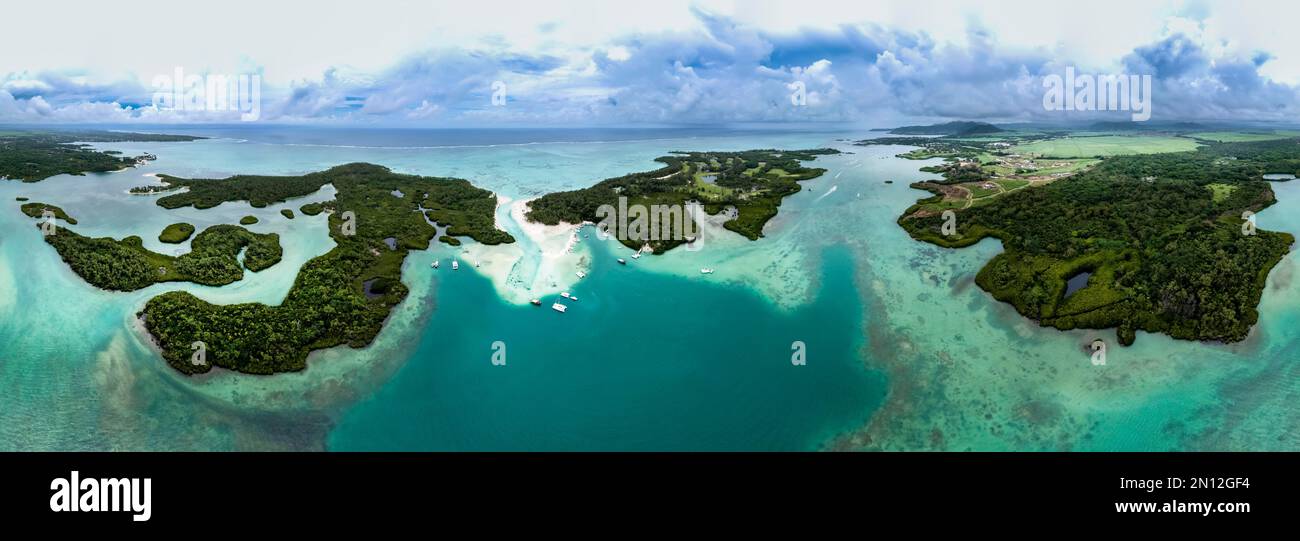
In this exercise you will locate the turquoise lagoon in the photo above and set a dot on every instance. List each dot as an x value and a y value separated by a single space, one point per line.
904 351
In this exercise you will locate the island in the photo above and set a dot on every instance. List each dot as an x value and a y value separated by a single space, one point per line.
751 184
248 220
341 297
126 265
35 155
176 233
955 128
37 210
1155 242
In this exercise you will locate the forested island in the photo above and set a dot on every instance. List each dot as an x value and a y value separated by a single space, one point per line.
752 182
176 233
341 297
33 156
1158 240
126 265
37 210
957 128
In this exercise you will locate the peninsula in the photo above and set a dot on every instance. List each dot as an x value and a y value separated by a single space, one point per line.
753 183
1153 242
341 297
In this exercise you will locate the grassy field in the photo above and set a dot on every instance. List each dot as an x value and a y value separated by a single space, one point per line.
977 190
1011 184
1108 145
1241 137
1220 192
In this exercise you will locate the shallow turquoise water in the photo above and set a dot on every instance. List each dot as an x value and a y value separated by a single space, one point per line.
641 362
904 352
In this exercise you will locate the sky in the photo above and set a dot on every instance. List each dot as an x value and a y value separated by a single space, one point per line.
617 62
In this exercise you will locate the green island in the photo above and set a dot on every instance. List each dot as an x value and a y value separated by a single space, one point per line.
1153 242
126 265
752 182
33 156
37 210
248 220
341 297
286 213
312 209
176 233
954 128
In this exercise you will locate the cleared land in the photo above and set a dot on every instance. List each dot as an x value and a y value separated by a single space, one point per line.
1106 145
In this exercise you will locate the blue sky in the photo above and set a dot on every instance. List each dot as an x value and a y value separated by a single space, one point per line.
569 63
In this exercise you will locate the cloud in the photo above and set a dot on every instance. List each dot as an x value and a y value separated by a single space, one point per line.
716 71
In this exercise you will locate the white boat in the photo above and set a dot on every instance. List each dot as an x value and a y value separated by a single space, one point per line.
559 307
536 302
622 261
636 255
706 270
477 264
435 264
581 274
565 294
455 265
573 298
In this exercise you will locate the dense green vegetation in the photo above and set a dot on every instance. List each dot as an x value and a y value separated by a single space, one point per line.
342 297
36 210
176 233
956 128
33 156
125 265
248 220
312 209
1162 235
286 213
258 190
753 182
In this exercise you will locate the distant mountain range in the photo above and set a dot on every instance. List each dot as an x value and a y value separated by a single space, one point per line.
948 128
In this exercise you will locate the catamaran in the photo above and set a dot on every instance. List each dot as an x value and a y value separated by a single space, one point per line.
706 270
559 307
455 265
